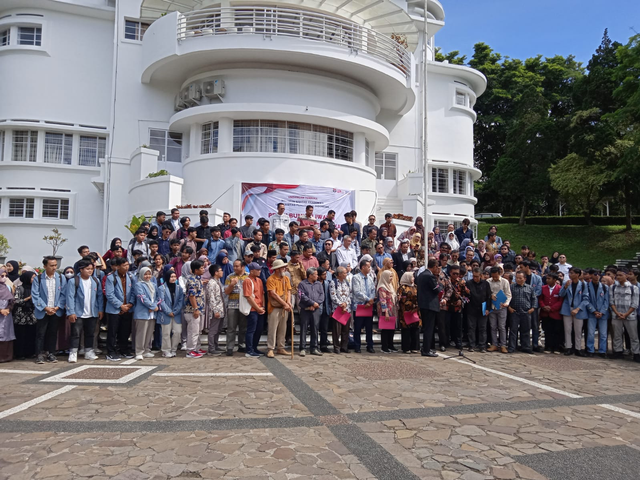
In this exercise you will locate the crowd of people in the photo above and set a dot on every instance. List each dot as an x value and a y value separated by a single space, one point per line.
176 281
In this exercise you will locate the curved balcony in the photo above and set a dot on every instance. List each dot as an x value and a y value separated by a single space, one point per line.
177 45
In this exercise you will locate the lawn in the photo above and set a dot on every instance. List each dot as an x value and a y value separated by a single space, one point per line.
583 246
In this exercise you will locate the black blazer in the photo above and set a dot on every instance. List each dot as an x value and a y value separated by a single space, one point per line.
428 291
398 262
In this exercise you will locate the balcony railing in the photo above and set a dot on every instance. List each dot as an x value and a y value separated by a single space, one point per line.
287 22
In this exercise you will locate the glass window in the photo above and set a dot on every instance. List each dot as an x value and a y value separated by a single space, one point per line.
440 180
461 99
5 37
459 182
386 166
246 135
57 148
21 207
134 30
25 146
55 208
91 150
30 36
273 136
366 152
209 138
168 144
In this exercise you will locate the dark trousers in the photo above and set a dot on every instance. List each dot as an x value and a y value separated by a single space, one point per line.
553 334
340 334
367 323
535 328
428 324
309 321
520 322
118 332
410 338
443 327
258 333
24 346
46 334
456 328
252 323
156 344
477 323
386 337
324 329
89 327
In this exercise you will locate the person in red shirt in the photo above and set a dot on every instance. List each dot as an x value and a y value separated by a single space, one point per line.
550 305
308 222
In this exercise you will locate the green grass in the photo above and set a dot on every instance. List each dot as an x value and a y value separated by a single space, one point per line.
584 246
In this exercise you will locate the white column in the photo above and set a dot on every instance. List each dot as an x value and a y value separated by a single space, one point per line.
40 148
8 142
75 150
225 135
194 140
372 155
359 155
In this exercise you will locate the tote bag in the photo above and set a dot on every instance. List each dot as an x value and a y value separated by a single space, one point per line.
244 306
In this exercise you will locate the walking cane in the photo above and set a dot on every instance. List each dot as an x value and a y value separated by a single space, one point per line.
292 332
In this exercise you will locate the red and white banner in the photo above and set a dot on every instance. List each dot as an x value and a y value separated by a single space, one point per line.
261 199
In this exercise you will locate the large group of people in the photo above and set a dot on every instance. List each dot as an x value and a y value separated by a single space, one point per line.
174 282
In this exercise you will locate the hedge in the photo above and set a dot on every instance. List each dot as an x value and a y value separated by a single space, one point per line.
565 220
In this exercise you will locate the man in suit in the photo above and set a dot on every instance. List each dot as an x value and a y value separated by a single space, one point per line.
598 313
429 303
401 256
574 310
349 224
49 301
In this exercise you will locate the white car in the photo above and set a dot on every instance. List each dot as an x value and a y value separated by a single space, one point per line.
488 215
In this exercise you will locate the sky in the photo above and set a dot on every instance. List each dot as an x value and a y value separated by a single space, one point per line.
523 29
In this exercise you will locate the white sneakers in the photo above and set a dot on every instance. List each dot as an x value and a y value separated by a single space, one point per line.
73 357
138 357
90 355
148 355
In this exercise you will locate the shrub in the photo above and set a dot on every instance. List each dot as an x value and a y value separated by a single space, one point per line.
565 220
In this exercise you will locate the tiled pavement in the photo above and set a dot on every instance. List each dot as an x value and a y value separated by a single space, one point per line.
355 416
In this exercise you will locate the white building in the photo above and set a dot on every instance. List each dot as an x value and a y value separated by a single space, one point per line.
314 92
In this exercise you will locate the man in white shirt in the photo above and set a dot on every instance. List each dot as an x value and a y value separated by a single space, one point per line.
346 254
280 219
563 266
175 219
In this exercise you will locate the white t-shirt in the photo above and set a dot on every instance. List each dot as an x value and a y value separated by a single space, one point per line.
88 292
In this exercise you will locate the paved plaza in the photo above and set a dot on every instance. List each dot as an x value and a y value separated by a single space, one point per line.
359 416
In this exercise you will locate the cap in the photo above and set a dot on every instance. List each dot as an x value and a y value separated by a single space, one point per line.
254 266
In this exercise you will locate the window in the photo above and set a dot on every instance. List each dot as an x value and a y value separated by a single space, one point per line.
92 149
21 207
459 182
168 144
273 136
55 208
30 36
209 138
134 30
461 98
57 148
1 145
440 180
5 37
386 166
25 146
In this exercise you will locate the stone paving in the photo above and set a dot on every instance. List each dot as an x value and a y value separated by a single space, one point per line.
391 417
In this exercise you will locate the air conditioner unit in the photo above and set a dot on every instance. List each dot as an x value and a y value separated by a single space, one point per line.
179 103
193 94
213 88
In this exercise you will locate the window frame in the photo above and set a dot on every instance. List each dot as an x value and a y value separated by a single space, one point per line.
209 138
437 178
101 144
28 204
5 37
456 176
37 35
163 154
60 208
383 161
66 152
140 28
30 149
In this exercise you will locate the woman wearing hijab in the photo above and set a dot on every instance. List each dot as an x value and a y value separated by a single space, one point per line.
417 247
206 278
182 281
109 254
497 260
452 241
420 228
24 319
215 307
7 335
555 258
407 234
227 267
408 303
13 271
487 261
144 312
153 233
438 237
386 308
171 298
388 246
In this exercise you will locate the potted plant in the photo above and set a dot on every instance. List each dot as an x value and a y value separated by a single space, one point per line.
4 248
56 241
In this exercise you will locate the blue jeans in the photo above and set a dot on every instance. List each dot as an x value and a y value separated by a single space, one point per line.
252 323
520 322
367 323
602 334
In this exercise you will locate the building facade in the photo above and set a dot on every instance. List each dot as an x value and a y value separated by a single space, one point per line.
98 94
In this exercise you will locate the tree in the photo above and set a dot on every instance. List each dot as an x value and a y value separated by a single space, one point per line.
453 57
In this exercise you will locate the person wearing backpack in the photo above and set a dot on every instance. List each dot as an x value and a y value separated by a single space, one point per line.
84 309
119 308
624 299
574 310
49 301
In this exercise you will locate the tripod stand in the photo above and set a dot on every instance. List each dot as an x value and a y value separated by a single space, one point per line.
461 354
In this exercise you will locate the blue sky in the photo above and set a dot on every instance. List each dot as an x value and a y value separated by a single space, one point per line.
523 28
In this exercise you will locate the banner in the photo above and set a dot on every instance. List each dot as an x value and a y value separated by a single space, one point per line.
261 199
